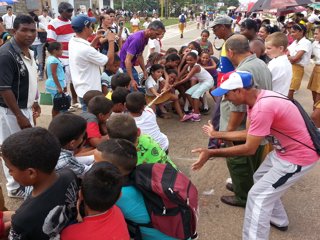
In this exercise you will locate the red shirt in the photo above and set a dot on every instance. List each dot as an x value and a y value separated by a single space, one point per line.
109 225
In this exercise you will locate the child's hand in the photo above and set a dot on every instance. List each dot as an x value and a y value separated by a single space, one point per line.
209 130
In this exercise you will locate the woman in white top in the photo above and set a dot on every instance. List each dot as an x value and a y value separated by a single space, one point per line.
134 23
314 82
299 56
205 82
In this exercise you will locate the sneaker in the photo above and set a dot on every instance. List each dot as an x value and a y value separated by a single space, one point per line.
181 36
196 117
205 111
17 193
186 117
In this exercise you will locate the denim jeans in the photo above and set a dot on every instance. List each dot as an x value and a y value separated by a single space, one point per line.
38 55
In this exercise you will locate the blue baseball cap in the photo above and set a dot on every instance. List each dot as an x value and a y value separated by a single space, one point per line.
79 22
231 81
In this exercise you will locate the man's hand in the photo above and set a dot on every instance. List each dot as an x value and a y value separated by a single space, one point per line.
204 156
209 129
23 122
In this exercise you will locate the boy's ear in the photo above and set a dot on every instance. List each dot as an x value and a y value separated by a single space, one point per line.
32 172
138 132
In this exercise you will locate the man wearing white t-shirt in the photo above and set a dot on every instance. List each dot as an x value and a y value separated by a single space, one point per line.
85 61
45 18
8 19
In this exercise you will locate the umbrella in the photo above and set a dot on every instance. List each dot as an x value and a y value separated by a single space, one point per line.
285 11
231 8
3 4
315 5
270 4
7 2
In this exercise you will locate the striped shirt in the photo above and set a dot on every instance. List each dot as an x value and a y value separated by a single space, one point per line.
60 30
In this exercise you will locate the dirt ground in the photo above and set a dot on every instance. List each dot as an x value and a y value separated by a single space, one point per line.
217 220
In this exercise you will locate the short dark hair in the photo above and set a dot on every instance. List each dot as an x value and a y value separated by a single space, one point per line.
173 57
32 148
238 43
119 152
91 94
122 126
156 25
22 19
155 67
171 50
119 95
135 102
8 7
171 70
110 10
250 24
100 104
63 6
101 186
120 80
67 127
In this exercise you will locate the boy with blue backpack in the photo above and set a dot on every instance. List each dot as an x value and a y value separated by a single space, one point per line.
182 23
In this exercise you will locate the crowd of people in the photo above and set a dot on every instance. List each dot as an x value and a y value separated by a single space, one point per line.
76 175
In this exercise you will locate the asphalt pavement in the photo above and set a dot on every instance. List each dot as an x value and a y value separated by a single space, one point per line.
217 220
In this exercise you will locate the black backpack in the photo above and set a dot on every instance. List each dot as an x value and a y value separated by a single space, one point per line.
312 129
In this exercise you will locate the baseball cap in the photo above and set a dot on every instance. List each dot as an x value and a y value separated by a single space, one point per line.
232 81
79 22
222 20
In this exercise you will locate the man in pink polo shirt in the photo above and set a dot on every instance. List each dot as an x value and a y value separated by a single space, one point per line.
270 116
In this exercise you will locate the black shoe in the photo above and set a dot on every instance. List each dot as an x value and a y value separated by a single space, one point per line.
283 229
181 35
229 186
204 111
232 201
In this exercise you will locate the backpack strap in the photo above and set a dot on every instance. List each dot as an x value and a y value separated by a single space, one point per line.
293 101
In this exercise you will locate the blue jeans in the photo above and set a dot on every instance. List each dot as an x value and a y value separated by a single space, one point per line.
84 107
38 55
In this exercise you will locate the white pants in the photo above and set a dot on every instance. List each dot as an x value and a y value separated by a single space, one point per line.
271 181
9 126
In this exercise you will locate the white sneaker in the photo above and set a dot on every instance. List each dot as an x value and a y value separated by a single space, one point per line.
17 193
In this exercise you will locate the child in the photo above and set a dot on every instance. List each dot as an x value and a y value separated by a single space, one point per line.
99 110
205 83
206 46
123 126
314 85
145 118
118 80
153 90
208 64
56 82
119 99
70 130
172 61
123 155
280 67
109 71
31 156
101 188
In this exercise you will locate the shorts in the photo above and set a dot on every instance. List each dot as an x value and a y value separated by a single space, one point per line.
297 75
199 89
314 81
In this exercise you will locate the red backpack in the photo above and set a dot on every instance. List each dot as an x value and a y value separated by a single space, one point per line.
170 198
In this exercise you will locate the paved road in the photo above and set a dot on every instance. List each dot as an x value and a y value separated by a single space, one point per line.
217 220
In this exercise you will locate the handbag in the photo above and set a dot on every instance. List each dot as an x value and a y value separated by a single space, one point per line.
45 99
61 102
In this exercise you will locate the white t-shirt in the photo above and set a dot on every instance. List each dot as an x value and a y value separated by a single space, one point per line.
316 52
154 43
37 40
151 83
155 19
135 21
147 123
33 81
85 62
313 18
281 70
146 24
8 20
303 45
45 20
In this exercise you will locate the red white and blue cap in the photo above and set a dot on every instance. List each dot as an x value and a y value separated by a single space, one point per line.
231 81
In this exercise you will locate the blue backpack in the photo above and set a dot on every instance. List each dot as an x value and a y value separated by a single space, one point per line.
183 18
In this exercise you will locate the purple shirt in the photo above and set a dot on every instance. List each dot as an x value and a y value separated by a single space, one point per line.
134 45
